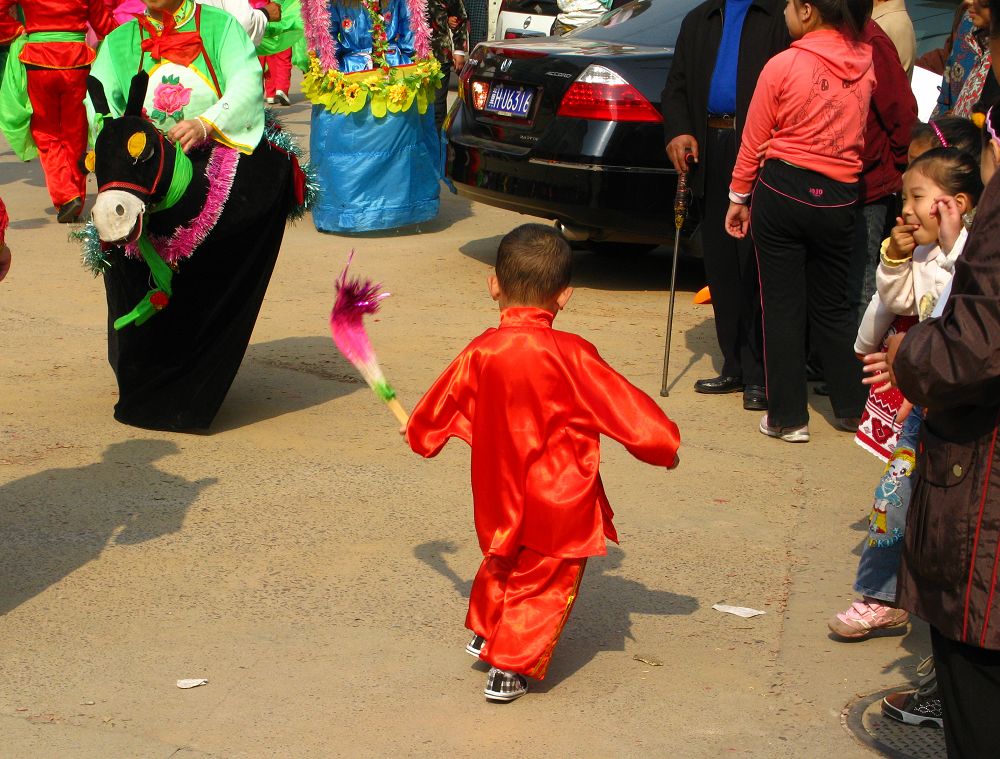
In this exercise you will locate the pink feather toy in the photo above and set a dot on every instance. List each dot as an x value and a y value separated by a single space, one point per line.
357 298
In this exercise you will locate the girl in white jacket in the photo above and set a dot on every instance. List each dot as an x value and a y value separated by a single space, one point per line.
940 190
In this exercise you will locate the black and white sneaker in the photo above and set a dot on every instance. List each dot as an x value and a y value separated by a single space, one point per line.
475 646
920 707
504 686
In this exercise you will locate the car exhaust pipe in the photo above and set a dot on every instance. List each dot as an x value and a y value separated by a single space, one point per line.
573 234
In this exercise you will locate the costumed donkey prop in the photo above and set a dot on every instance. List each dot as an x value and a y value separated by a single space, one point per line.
203 231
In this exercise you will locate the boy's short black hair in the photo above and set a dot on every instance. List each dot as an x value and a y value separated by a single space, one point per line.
534 264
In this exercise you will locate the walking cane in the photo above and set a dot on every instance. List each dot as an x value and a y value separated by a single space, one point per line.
680 212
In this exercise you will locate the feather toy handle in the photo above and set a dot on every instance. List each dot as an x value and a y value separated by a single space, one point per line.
356 298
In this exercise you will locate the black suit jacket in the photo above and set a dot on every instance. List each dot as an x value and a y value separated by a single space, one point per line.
684 101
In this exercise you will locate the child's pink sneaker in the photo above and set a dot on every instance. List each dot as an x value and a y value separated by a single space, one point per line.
865 617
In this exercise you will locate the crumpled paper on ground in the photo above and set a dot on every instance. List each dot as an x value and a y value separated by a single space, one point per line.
739 611
193 682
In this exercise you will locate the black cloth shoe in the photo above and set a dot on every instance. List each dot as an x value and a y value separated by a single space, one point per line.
70 212
719 385
475 646
504 686
823 389
754 398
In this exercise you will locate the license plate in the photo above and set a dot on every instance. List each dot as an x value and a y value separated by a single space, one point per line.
509 100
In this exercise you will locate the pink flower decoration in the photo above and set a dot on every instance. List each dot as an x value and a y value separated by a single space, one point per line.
171 98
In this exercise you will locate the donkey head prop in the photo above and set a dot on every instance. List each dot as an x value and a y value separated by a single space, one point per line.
137 169
138 172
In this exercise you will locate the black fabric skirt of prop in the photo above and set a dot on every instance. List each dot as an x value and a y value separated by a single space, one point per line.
174 371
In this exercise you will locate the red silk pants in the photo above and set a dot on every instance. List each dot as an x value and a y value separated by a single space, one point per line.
277 72
59 129
520 604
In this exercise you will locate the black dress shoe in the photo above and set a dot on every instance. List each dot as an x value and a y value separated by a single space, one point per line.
69 213
719 385
754 398
823 389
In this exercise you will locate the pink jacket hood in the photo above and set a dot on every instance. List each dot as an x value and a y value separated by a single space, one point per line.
848 61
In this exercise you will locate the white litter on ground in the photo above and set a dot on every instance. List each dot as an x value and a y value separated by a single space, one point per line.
192 682
739 611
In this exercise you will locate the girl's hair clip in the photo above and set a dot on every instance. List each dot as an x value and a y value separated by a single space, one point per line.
937 131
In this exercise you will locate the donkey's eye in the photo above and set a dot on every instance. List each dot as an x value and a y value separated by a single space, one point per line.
139 147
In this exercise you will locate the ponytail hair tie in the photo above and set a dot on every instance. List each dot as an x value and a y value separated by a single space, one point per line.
937 131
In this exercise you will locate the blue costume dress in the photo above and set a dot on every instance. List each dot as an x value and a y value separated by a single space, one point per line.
375 173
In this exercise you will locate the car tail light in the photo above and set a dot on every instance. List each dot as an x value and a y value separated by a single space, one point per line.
479 93
600 93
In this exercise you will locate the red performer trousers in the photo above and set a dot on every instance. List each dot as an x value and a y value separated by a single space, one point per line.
520 604
277 72
59 128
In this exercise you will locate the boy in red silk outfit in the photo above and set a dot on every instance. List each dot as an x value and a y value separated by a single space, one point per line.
532 402
57 60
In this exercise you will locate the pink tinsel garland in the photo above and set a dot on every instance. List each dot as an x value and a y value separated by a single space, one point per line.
221 171
421 29
316 21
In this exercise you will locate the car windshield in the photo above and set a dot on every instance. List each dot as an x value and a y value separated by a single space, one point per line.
640 22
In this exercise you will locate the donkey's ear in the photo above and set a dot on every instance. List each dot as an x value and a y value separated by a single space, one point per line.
137 94
97 96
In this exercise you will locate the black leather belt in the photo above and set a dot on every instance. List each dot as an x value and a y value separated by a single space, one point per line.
722 122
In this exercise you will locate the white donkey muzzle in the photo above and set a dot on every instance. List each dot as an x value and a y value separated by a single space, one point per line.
117 215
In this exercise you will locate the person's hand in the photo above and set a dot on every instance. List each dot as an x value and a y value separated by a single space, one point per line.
877 368
272 11
901 242
188 133
949 219
4 261
453 22
737 220
402 430
458 59
762 150
678 150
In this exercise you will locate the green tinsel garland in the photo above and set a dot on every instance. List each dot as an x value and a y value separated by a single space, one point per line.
276 134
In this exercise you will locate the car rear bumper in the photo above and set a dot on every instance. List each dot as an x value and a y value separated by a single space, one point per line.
605 201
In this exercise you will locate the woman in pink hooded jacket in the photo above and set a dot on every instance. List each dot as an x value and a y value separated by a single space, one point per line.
807 121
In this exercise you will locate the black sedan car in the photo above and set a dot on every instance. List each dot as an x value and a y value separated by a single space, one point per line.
569 128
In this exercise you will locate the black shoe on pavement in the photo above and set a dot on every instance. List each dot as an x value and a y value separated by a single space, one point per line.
504 686
475 646
70 212
822 389
915 708
920 707
719 385
754 398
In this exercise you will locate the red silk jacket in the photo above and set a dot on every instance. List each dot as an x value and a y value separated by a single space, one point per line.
61 16
532 403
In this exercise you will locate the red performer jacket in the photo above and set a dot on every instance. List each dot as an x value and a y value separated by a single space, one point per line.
61 16
532 403
10 27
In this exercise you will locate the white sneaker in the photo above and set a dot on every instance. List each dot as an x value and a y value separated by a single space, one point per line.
788 434
269 101
281 97
504 686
